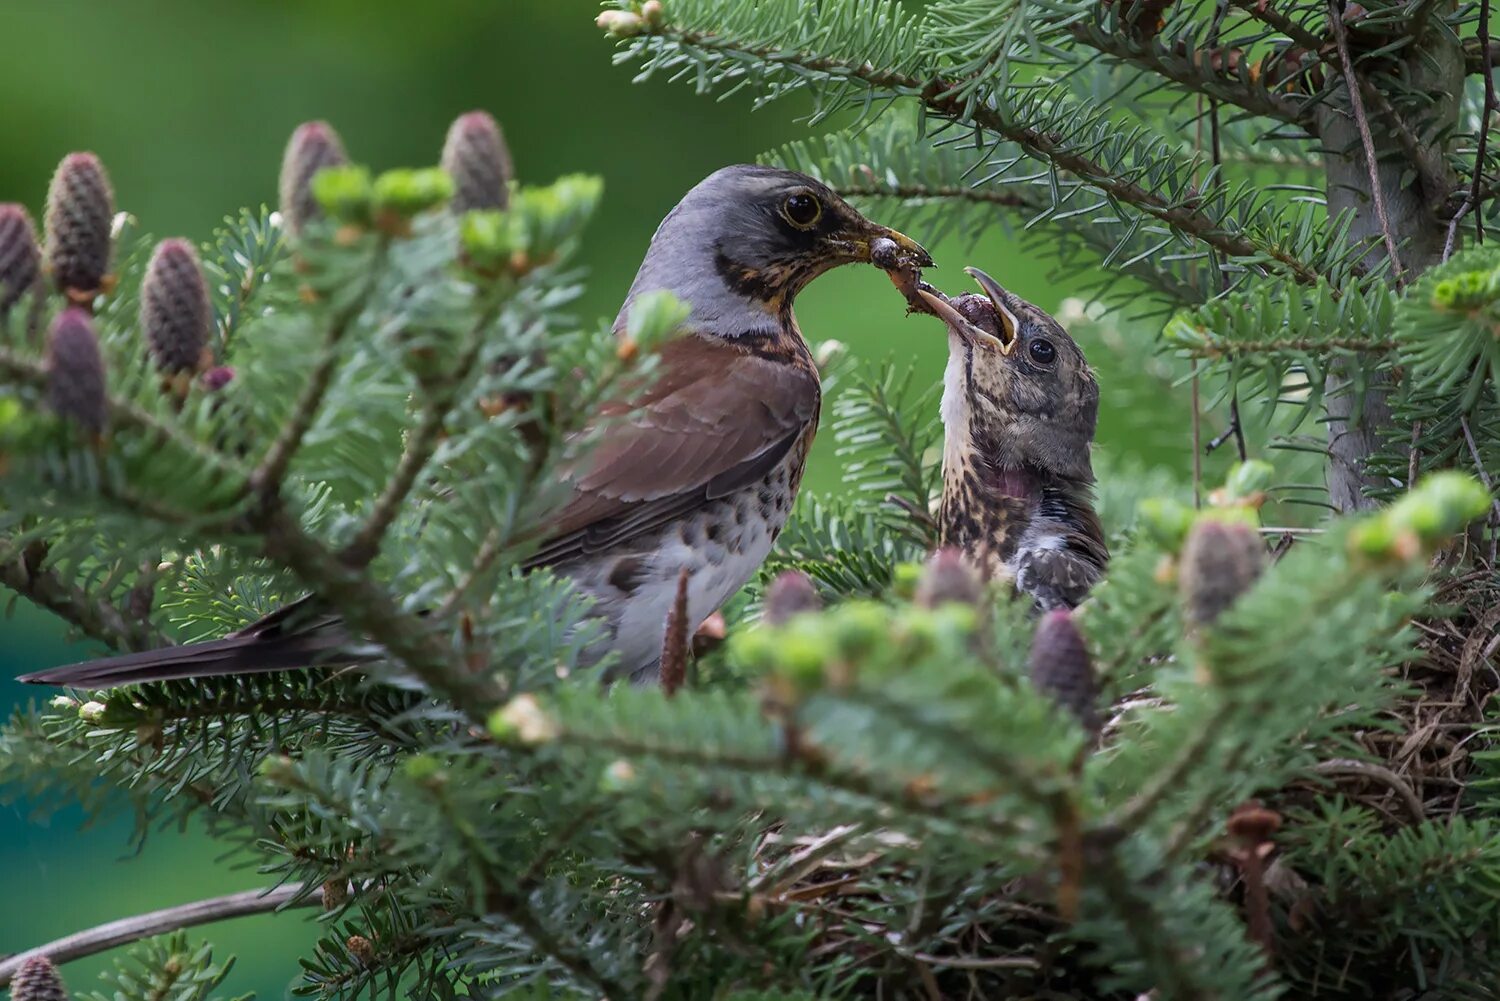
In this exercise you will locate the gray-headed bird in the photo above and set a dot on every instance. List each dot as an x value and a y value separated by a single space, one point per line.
1019 409
690 483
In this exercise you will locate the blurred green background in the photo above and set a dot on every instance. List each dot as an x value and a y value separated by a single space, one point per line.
189 105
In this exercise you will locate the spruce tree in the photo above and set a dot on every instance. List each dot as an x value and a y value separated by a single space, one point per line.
1256 763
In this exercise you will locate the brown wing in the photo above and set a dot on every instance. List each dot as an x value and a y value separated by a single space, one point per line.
717 419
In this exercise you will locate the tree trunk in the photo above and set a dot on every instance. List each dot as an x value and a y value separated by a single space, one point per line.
1358 423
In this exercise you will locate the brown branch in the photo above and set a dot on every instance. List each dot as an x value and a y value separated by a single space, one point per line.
1202 78
1377 773
956 192
97 617
370 611
943 101
1262 11
169 919
1481 55
1218 350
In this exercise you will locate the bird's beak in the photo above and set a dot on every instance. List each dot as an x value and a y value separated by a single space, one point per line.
960 324
909 255
996 296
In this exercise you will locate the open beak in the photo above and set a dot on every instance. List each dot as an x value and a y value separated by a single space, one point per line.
996 295
960 324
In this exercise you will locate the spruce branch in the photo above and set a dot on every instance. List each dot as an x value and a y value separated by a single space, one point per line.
22 571
371 611
437 404
1197 72
943 99
266 480
168 919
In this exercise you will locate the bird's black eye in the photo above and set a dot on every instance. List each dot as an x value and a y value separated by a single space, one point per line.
802 210
1042 351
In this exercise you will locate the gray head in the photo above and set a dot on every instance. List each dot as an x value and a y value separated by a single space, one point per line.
1018 390
747 239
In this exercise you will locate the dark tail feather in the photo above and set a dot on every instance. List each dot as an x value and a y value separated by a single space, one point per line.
252 654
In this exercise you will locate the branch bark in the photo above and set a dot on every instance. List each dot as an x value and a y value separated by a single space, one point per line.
168 919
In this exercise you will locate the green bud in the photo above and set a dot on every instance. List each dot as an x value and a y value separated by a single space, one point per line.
858 628
803 651
755 649
1461 497
343 193
405 193
1184 331
524 720
1166 522
1374 537
618 777
92 712
905 578
421 767
490 239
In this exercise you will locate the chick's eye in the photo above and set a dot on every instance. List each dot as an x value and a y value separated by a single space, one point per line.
803 210
1042 351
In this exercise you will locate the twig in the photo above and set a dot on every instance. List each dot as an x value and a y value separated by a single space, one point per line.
1262 11
265 481
98 617
168 919
1041 144
1355 88
370 611
420 446
1379 773
1008 198
1414 454
977 962
490 549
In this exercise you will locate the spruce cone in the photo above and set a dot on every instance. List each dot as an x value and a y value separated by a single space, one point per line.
75 371
1060 668
791 592
1220 562
80 212
475 156
176 315
948 577
313 146
38 980
20 258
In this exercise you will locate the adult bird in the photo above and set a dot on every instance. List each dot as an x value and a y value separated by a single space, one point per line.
1019 409
692 481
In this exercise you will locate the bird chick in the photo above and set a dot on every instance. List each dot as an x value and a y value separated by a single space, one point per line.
1019 409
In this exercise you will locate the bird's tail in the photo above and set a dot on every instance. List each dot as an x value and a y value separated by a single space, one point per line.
278 642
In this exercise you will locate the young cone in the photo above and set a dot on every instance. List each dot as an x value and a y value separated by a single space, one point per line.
20 258
80 212
1220 562
176 314
791 592
75 371
1060 668
948 577
38 980
475 156
313 146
